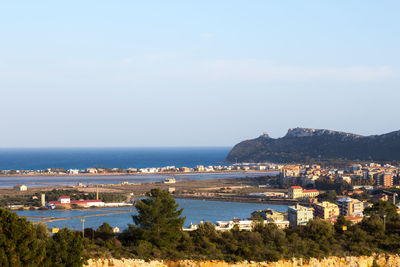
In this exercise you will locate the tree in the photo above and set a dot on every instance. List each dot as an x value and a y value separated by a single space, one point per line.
158 219
65 249
105 231
330 196
19 244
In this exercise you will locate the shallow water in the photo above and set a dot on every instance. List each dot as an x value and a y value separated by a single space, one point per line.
194 210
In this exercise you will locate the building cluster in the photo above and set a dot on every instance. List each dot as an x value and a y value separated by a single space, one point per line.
356 174
351 209
166 169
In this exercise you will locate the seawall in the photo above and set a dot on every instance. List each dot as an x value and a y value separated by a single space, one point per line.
362 261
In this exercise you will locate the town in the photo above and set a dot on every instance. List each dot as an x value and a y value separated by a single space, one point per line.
310 191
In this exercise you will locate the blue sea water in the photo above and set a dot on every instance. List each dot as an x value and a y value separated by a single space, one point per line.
81 158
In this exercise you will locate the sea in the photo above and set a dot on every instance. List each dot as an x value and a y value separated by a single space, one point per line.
82 158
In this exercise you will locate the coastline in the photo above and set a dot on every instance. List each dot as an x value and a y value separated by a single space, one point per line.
136 174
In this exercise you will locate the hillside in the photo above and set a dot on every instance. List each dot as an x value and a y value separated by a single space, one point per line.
307 145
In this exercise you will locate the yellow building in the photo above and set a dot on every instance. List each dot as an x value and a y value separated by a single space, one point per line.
295 192
298 192
326 210
310 193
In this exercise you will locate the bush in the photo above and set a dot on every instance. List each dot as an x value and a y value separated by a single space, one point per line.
19 243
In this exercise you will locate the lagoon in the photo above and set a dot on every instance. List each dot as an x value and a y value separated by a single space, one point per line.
194 210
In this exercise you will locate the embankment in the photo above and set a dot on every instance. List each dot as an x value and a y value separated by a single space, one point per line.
362 261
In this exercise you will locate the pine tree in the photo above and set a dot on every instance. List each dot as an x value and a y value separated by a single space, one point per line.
65 249
159 221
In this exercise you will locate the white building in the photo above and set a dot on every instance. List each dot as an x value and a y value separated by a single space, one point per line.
64 200
299 215
228 225
20 187
73 171
169 181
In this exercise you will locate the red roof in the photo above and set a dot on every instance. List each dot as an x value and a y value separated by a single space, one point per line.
84 201
310 191
296 187
64 197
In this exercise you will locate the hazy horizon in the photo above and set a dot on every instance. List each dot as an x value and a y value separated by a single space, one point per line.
194 74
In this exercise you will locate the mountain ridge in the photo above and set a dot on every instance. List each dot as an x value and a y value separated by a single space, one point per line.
309 144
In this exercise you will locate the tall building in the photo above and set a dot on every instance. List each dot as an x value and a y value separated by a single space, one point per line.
385 179
299 215
350 207
326 210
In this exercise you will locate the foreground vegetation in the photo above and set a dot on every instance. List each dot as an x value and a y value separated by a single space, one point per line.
157 233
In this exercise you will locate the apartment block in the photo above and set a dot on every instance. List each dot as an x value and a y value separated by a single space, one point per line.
299 215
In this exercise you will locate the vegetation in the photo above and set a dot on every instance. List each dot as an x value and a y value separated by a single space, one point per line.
324 183
25 244
378 232
330 196
157 233
25 200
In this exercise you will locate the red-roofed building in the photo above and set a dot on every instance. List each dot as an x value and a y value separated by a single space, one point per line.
298 192
310 193
295 192
66 201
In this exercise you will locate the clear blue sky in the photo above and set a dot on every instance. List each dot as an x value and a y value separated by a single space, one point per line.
194 73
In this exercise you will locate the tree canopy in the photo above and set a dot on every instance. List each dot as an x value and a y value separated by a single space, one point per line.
159 220
19 244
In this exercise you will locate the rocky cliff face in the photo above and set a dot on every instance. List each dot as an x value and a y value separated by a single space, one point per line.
362 261
303 132
305 145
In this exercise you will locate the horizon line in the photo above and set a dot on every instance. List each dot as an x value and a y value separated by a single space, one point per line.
111 147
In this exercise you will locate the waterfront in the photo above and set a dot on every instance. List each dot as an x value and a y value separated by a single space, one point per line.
70 180
194 210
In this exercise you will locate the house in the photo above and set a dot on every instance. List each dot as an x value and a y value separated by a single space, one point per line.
20 187
184 169
171 190
246 225
169 181
91 170
199 168
73 171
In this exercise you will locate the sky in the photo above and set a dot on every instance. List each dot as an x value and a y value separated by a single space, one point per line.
194 73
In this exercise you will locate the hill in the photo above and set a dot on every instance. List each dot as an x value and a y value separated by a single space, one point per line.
308 145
